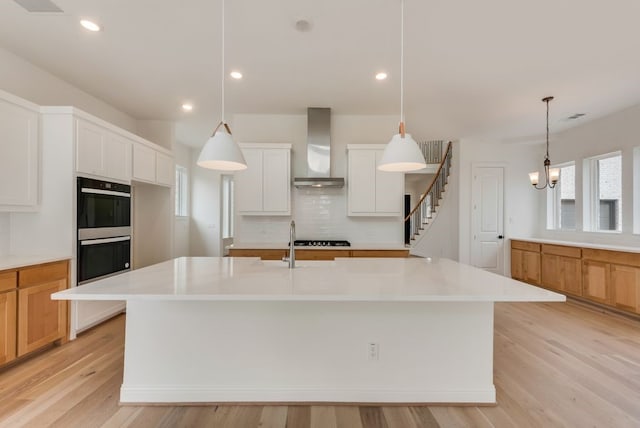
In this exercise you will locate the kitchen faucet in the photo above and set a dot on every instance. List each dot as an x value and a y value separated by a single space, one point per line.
292 251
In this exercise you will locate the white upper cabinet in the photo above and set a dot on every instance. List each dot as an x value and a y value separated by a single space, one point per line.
165 170
19 154
264 188
101 152
144 163
372 192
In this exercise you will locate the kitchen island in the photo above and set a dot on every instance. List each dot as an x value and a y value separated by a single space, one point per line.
350 330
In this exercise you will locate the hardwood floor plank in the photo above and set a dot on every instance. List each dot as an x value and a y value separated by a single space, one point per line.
323 417
123 417
423 417
348 417
273 417
399 417
372 417
299 417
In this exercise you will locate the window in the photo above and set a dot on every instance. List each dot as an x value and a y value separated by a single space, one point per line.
227 206
182 181
562 200
605 193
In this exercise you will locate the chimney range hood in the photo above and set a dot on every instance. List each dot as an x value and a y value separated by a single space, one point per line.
318 151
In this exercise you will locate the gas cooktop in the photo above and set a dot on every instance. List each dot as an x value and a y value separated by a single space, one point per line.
320 243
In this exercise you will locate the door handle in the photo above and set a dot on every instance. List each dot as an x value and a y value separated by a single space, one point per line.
500 237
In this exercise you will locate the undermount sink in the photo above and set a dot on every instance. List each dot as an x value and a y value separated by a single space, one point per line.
299 263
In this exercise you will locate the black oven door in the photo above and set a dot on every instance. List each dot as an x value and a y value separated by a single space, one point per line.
103 204
102 257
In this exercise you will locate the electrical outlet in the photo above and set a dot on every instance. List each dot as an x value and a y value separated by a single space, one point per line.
373 351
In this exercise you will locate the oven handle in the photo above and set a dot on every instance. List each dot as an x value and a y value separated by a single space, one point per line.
105 192
105 240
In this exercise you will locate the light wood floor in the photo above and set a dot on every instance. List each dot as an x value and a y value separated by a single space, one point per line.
555 365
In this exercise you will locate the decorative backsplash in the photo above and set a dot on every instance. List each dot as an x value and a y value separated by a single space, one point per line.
319 214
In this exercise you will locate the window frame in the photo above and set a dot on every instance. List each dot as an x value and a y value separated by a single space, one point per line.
554 201
181 209
591 209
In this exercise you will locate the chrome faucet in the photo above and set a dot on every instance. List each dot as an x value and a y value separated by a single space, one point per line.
292 250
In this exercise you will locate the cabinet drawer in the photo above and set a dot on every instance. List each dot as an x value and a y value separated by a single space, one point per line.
618 257
43 273
560 250
267 254
321 254
8 280
526 246
380 253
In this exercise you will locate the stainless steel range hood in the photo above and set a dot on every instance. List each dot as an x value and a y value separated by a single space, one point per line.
318 151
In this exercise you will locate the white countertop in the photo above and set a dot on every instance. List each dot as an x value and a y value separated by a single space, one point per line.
15 261
581 244
284 246
345 279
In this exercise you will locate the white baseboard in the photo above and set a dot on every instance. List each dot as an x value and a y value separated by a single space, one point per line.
199 394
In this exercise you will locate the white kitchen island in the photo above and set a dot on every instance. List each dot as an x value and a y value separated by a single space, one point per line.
351 330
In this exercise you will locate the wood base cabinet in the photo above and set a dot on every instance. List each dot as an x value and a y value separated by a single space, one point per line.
7 326
525 261
606 277
561 269
625 287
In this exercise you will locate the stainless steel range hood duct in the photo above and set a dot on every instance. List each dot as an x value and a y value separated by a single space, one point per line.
318 151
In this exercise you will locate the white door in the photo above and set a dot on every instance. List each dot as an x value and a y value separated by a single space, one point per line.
487 201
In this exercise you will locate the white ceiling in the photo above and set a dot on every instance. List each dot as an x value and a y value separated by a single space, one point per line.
472 68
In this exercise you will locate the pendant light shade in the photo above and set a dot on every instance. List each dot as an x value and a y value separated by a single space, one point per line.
402 153
220 152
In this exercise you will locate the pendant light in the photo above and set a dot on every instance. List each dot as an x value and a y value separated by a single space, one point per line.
220 152
402 153
551 175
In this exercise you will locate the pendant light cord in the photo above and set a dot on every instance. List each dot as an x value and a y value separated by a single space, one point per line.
222 69
547 100
401 61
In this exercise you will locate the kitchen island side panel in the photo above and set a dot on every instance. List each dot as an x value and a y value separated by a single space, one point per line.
270 351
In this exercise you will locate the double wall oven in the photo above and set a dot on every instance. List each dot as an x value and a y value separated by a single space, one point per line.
104 228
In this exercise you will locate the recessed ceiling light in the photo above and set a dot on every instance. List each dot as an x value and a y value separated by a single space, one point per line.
89 25
187 107
236 74
381 76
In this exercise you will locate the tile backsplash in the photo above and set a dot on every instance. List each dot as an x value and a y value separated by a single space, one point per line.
319 214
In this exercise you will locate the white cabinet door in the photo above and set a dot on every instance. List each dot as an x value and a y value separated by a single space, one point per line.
144 163
372 192
90 148
264 188
389 190
19 157
361 181
117 157
165 171
276 181
248 183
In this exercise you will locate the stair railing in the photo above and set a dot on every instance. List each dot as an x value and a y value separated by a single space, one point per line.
426 206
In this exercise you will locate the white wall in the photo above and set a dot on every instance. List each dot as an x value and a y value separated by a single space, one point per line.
181 226
37 85
319 213
618 131
161 132
204 230
521 201
4 233
153 211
